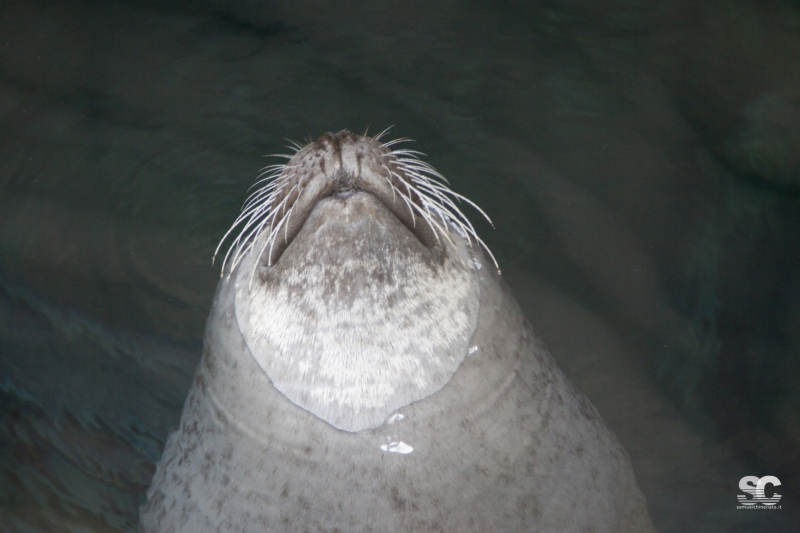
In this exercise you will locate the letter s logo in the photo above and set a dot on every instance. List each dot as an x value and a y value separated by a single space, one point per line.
749 485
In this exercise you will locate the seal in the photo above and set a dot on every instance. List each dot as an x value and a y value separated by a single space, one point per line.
367 369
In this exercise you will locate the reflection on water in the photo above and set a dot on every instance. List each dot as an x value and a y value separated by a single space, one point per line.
639 163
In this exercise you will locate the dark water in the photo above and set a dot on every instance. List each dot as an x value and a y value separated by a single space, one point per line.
641 164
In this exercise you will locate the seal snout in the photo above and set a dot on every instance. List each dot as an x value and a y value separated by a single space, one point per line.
350 163
339 165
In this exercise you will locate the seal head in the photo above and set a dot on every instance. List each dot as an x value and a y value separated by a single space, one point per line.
352 295
363 372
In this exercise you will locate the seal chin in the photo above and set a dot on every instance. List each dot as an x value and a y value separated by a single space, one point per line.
335 322
356 220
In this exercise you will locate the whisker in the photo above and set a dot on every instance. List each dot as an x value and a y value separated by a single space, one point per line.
279 187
